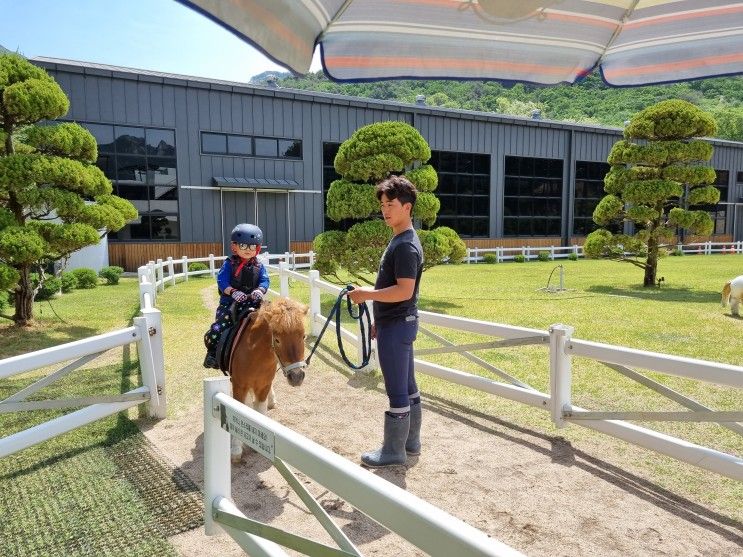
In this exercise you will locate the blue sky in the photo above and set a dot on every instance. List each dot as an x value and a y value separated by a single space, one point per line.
158 35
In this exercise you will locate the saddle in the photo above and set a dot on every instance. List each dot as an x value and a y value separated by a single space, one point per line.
230 336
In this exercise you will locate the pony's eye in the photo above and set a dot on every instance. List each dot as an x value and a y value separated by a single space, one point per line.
276 341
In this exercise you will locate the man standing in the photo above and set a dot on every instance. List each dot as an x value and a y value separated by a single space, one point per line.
395 297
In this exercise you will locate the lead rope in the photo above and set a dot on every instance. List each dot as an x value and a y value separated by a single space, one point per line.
335 312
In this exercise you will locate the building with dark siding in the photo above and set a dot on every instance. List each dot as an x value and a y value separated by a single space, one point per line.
196 156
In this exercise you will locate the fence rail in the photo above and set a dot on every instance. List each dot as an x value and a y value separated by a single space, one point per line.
425 526
146 334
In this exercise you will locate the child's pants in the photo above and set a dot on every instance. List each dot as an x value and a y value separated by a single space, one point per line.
222 321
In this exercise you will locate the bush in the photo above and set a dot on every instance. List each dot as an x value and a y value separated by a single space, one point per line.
69 282
519 258
86 278
544 256
573 256
677 253
194 267
490 258
111 274
4 301
49 289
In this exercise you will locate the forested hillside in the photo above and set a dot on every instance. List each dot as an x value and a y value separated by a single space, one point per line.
590 101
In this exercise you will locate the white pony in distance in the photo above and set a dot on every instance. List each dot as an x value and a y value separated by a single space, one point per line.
732 293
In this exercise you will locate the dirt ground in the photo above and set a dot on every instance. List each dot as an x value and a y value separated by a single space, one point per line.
533 491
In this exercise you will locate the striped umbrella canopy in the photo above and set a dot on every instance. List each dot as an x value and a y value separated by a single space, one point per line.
634 42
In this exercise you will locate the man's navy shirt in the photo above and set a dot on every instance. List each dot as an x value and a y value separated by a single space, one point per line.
403 258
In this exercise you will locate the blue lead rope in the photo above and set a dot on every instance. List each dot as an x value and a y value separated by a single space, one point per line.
364 329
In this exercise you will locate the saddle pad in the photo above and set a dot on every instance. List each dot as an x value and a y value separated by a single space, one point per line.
230 338
227 341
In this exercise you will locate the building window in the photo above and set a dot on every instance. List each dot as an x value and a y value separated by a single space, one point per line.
717 212
464 192
589 190
141 163
329 151
249 146
532 197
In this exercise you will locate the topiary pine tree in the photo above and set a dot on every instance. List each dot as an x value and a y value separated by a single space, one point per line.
652 185
370 155
53 199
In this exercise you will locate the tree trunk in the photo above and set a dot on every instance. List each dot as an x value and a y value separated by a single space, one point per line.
651 264
24 299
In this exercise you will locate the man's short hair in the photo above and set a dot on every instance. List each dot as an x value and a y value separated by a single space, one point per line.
398 187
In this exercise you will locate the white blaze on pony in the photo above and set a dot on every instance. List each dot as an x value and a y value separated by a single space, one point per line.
732 293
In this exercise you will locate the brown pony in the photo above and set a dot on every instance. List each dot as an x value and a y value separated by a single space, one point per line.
274 337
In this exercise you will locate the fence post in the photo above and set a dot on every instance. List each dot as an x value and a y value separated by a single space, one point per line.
152 277
147 366
560 372
526 252
498 254
575 249
160 275
142 279
477 255
315 306
211 265
154 323
171 271
283 279
184 261
552 253
217 468
312 259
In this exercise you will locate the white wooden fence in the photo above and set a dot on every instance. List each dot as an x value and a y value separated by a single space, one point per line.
476 255
429 528
146 333
562 348
561 352
425 526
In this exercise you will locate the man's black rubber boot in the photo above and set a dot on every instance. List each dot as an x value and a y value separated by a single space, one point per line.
210 361
393 447
413 444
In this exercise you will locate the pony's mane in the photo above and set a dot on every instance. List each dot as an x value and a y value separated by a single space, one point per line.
284 315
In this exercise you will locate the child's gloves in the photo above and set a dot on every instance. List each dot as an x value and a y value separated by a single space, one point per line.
239 296
257 295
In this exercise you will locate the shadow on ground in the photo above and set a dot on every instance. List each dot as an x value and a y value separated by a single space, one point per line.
562 452
662 294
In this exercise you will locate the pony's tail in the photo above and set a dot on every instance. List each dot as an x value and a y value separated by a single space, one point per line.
726 294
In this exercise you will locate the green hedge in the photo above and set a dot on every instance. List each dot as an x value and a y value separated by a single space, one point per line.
86 278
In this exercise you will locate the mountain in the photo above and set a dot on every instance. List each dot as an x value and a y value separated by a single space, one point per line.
589 101
260 78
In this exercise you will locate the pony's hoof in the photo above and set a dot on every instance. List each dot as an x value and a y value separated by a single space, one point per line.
271 405
236 458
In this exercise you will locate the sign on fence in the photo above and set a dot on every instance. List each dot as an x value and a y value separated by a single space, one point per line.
250 433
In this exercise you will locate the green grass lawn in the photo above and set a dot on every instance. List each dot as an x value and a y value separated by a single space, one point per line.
604 304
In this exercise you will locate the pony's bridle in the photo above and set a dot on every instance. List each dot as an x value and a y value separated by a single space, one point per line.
286 369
